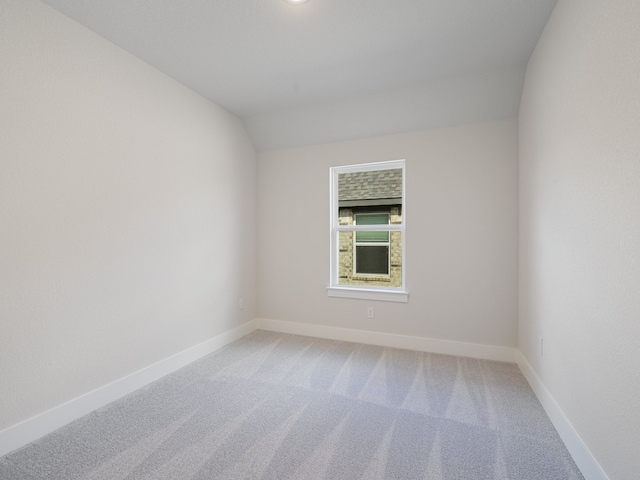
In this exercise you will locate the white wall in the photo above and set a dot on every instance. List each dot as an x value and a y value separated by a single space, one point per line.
580 223
479 97
127 213
461 213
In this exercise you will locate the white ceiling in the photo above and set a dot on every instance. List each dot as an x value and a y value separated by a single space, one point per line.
330 70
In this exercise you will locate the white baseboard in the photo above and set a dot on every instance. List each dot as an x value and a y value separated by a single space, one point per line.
586 462
422 344
33 428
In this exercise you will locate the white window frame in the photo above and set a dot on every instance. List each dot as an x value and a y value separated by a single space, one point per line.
390 294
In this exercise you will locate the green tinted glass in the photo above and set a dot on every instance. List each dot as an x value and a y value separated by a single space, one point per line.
372 219
372 237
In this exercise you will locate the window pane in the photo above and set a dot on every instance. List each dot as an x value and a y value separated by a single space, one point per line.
372 219
372 237
370 187
345 257
368 265
372 260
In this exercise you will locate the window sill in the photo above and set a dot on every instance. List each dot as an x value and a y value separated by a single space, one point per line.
369 294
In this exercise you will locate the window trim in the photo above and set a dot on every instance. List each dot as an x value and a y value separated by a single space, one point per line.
391 294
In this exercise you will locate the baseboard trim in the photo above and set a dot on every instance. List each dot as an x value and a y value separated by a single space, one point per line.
422 344
586 462
40 425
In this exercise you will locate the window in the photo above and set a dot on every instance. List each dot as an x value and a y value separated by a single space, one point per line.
371 249
367 231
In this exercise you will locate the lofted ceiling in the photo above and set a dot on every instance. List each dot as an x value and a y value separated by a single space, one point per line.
331 70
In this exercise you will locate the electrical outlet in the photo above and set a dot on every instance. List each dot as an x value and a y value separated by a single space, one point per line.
241 304
541 345
371 312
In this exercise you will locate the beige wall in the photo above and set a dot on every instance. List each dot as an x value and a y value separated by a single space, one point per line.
580 223
461 214
127 213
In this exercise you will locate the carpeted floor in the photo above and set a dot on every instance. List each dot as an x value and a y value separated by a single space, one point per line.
275 406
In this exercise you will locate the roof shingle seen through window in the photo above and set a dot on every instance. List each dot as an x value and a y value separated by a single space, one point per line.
370 185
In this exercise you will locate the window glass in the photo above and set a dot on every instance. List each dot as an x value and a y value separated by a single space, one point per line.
367 221
372 260
372 219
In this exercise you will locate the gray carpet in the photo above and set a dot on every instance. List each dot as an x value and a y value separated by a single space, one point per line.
275 406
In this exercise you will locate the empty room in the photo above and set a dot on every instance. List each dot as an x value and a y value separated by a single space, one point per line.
319 239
